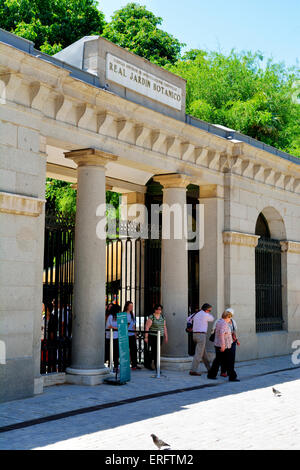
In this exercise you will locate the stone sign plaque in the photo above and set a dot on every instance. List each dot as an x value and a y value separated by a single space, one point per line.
136 79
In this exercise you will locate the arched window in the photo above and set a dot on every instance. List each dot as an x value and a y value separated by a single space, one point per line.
268 283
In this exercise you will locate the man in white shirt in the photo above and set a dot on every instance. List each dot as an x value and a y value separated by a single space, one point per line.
200 324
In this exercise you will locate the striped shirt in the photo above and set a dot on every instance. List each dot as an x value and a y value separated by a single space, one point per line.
157 325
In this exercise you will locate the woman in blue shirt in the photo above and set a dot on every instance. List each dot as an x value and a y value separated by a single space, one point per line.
128 308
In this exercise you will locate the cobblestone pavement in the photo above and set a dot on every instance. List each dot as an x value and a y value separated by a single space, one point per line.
244 415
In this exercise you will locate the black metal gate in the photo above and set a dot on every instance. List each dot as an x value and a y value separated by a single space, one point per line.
57 292
268 285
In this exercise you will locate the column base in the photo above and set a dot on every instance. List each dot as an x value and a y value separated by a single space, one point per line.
38 385
86 376
176 363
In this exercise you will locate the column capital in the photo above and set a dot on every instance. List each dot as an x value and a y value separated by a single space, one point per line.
290 247
90 157
239 238
173 180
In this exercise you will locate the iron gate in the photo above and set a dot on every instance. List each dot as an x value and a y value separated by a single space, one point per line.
268 285
58 280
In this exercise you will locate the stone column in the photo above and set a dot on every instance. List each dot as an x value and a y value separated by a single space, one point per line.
174 272
291 282
240 287
90 261
212 252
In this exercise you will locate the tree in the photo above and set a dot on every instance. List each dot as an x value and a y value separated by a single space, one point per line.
61 197
236 91
135 28
51 24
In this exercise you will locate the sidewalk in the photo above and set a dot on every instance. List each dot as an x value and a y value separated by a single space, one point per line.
67 398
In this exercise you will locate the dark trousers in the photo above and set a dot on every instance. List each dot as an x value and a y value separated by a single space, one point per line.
152 342
116 353
133 350
232 351
226 358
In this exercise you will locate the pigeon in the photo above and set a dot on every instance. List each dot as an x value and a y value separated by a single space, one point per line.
277 393
158 442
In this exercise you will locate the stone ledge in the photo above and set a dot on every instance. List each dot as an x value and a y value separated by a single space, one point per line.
18 204
239 238
290 247
54 378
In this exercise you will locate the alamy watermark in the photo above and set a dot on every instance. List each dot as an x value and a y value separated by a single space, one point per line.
2 352
296 354
179 222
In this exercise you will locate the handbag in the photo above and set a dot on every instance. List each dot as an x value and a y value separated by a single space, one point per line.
212 336
189 325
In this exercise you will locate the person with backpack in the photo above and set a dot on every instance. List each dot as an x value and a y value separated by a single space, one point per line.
156 322
200 324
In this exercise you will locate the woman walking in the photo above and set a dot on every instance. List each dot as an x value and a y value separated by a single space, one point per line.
128 308
223 342
156 322
111 324
235 342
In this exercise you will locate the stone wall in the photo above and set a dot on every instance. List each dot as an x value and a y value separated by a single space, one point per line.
22 187
245 199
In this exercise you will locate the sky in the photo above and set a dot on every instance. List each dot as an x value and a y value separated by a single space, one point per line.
271 26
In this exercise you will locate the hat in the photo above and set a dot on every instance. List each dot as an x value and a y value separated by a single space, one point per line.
230 310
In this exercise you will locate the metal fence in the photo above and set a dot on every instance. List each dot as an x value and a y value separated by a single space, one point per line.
268 285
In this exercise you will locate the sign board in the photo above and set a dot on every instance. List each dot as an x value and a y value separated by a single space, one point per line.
123 347
136 79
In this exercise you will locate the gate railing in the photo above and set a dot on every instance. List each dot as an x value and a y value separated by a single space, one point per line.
268 285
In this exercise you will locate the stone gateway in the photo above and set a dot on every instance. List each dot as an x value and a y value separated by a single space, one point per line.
105 119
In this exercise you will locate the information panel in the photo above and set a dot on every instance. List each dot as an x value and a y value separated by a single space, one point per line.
123 347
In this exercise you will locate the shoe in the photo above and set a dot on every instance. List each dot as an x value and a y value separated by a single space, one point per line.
194 373
136 368
212 378
234 380
224 374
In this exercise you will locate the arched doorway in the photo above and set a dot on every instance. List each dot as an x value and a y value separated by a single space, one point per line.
268 279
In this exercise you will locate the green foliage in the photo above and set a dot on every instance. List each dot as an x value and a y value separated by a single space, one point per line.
135 28
61 197
236 91
51 24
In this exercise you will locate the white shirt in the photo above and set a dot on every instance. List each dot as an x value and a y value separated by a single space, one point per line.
200 321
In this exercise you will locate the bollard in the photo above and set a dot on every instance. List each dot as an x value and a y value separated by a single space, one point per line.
158 356
111 350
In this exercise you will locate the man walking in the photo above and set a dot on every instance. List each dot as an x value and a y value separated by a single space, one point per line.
200 323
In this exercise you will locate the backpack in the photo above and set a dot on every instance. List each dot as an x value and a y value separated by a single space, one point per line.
189 325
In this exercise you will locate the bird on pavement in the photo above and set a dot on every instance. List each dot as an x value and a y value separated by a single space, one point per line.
277 393
158 442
